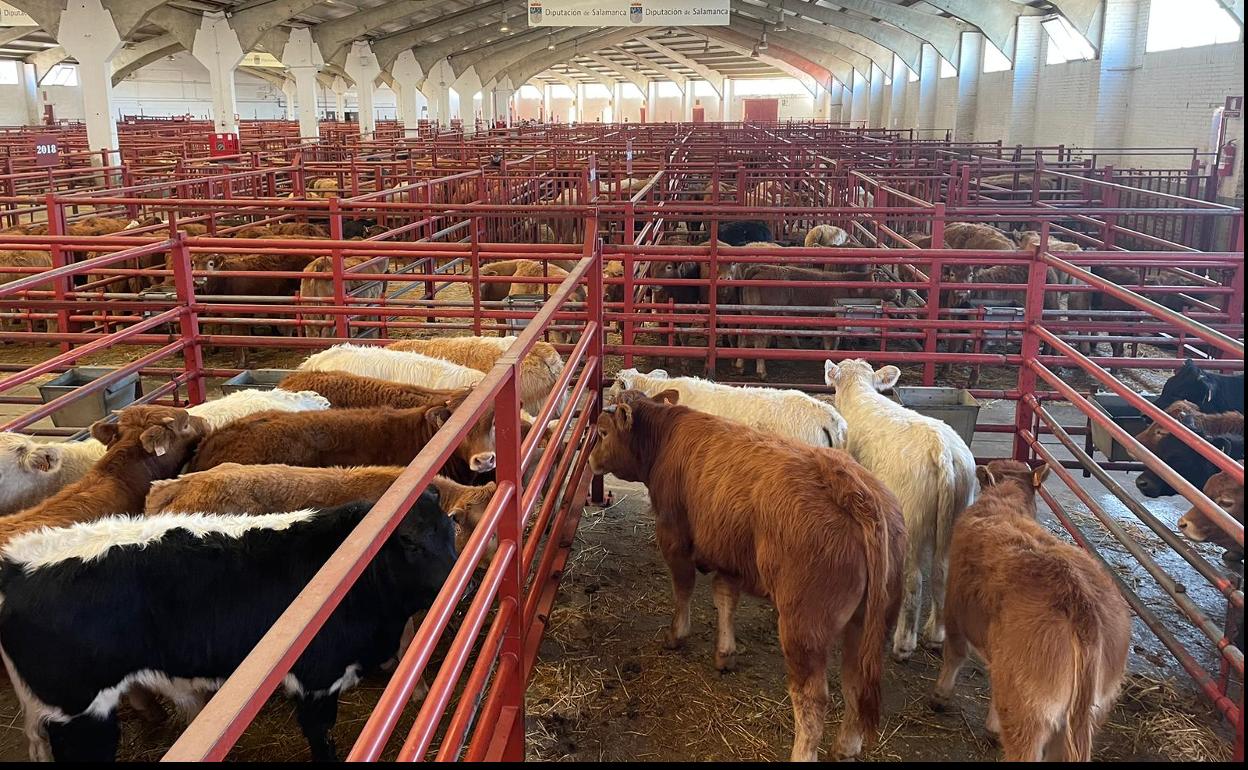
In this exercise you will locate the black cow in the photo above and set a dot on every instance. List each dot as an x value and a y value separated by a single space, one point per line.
743 232
1187 462
1213 393
176 605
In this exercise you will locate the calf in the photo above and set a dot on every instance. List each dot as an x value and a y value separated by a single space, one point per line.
146 443
924 463
257 489
30 472
350 391
319 290
1045 617
798 294
393 365
377 436
1187 412
176 602
807 528
539 371
1187 462
1212 392
33 472
789 413
1229 494
249 285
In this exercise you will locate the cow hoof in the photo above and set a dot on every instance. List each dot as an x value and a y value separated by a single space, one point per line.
673 642
938 703
726 661
934 641
902 654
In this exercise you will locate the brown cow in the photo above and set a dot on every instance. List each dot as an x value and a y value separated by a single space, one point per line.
1228 493
1045 617
353 391
145 444
807 528
376 436
1188 413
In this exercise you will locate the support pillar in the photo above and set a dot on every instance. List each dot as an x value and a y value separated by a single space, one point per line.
897 96
970 64
877 96
363 68
502 103
30 93
1122 55
1027 46
339 88
929 74
847 103
302 56
288 92
407 75
725 102
686 95
88 34
860 106
218 49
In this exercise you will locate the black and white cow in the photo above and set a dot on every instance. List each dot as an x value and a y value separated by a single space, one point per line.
1212 393
1186 462
174 602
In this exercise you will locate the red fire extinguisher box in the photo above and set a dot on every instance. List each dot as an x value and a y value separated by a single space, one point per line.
223 144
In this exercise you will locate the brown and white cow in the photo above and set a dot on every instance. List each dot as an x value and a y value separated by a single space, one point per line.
1228 493
806 527
1045 617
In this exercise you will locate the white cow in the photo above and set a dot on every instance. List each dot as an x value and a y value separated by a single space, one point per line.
393 365
926 465
790 413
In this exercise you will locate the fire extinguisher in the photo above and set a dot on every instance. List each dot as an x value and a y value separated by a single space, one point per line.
1226 159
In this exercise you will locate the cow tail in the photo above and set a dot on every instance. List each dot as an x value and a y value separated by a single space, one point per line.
875 541
1079 718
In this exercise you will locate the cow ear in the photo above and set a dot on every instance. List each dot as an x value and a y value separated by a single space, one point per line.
624 416
438 415
659 374
829 372
985 476
42 459
886 377
105 432
1039 475
669 396
1222 444
157 440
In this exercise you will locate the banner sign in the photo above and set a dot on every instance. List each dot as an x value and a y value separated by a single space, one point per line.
12 17
628 13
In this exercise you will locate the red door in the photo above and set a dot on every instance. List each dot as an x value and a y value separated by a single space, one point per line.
699 114
761 110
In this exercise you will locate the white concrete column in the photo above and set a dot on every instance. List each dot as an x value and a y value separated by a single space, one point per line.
339 87
860 112
407 74
687 97
88 34
970 64
897 96
444 104
847 103
546 104
502 102
929 75
821 101
725 103
877 105
30 93
363 68
218 49
289 95
489 100
1122 54
1027 51
302 56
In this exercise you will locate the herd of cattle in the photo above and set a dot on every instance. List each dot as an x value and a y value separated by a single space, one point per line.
149 559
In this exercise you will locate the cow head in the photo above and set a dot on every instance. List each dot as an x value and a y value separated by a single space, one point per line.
857 372
626 379
25 469
426 538
1229 495
477 448
1014 476
1181 410
621 448
1189 383
466 506
1185 461
162 431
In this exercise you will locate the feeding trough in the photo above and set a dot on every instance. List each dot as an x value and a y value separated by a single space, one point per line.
527 303
255 379
955 407
1124 416
96 406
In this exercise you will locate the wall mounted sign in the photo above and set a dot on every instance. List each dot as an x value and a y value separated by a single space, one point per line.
47 154
12 17
628 13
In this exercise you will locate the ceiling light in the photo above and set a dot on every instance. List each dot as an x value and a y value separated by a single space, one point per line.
762 44
782 25
502 17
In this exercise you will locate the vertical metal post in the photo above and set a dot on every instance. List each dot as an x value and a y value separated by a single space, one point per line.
184 285
1033 314
510 527
935 276
475 258
340 290
597 491
60 286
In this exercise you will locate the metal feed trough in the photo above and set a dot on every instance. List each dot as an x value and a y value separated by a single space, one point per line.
1124 416
96 406
255 379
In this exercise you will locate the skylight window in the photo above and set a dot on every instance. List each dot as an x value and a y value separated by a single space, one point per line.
1189 23
994 60
1065 42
